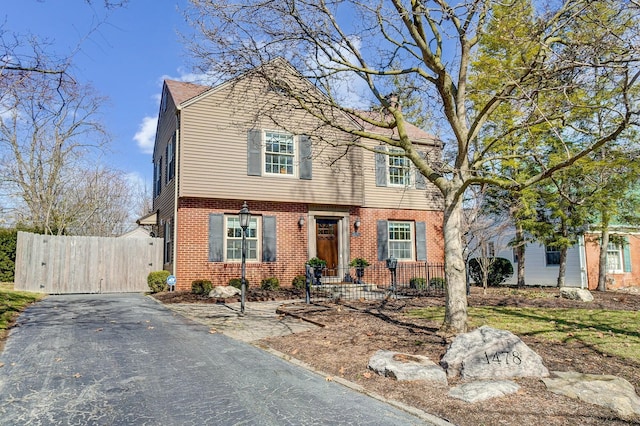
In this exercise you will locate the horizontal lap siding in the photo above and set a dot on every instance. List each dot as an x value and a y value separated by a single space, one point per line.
213 160
397 197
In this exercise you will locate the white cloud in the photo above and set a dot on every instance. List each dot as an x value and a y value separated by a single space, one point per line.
146 135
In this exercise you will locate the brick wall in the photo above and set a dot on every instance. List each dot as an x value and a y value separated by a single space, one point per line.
292 241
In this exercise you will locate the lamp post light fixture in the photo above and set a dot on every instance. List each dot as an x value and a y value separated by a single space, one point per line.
245 218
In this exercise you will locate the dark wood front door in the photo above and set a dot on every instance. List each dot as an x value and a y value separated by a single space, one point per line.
327 244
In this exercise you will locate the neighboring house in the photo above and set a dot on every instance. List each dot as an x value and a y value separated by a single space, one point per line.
542 263
623 259
218 146
138 232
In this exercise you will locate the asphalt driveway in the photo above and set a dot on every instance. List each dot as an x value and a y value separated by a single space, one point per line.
125 359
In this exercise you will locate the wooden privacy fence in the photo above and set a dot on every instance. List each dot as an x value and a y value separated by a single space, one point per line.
63 264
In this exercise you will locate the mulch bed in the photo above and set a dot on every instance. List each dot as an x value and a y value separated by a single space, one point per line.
354 330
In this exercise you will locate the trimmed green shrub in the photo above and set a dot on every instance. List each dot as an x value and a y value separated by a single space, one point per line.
237 283
499 270
418 283
8 239
157 281
299 281
271 283
437 282
201 287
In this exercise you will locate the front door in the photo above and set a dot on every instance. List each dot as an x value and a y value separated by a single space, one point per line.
327 244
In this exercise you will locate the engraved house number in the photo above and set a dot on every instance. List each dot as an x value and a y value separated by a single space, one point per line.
505 357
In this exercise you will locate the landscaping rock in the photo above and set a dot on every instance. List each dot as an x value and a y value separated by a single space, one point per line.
608 391
484 389
223 292
573 293
406 367
489 353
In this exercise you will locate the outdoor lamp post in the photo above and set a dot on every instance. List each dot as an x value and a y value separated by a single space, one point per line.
245 218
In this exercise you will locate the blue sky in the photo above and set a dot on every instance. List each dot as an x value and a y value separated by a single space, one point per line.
125 58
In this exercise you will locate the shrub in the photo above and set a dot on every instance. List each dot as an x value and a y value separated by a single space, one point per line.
271 283
299 281
316 262
437 282
237 283
201 287
359 262
418 282
499 270
157 281
8 238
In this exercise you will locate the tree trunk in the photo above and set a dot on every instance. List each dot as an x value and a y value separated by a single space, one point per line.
455 320
562 270
602 263
520 249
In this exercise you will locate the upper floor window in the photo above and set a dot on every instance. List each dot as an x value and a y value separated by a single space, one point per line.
552 255
279 153
157 177
233 238
399 169
171 158
400 240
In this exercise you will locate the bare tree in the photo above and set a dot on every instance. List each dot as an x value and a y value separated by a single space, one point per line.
541 54
47 127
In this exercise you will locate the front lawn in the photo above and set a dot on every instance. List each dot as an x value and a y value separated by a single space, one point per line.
11 304
613 332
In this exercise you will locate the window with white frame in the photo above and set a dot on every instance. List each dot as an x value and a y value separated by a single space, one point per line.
279 153
399 169
171 164
552 255
233 239
401 240
615 260
168 241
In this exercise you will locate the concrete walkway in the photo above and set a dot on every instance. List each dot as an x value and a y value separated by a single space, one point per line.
128 360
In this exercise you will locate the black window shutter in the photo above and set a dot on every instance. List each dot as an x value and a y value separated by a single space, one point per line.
381 167
254 153
420 182
383 240
216 237
421 241
306 161
268 238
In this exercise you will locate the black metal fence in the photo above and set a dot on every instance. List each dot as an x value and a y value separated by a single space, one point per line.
378 282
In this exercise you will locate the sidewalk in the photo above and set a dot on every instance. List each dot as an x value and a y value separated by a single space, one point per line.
260 319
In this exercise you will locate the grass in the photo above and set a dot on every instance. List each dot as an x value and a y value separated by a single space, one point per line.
11 304
611 332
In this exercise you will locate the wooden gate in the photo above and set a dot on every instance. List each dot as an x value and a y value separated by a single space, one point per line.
63 264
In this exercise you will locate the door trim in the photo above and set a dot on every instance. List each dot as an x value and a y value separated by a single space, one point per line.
344 241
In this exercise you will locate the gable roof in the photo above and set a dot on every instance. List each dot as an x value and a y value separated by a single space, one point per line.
414 133
181 91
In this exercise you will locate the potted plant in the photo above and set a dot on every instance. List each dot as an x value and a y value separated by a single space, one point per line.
359 263
318 265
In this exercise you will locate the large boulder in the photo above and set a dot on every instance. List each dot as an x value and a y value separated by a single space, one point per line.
224 292
609 391
574 293
406 367
489 353
483 390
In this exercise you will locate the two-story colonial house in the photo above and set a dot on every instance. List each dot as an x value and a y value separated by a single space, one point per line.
217 147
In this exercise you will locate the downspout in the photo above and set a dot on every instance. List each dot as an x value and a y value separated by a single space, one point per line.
583 267
176 175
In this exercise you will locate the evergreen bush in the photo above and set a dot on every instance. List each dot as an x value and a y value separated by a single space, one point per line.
157 281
